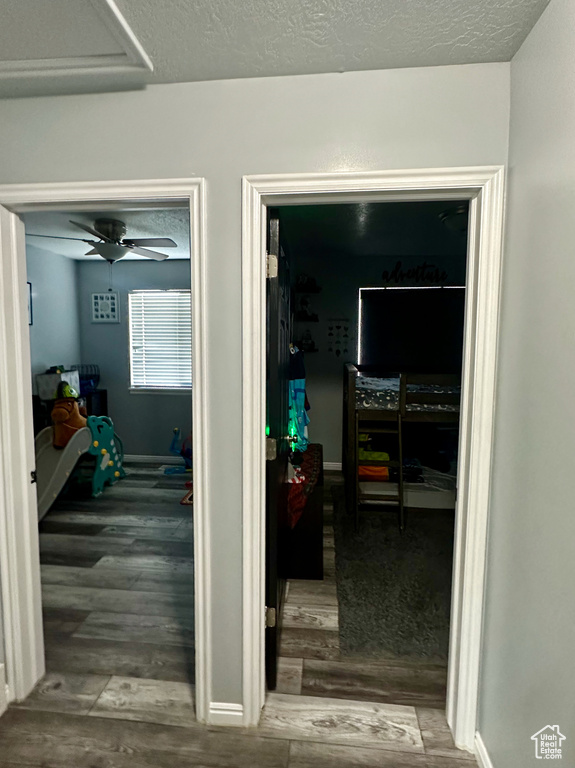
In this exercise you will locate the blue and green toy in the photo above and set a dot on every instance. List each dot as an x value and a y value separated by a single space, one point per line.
107 448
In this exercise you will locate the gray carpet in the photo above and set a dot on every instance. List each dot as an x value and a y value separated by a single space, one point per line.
394 591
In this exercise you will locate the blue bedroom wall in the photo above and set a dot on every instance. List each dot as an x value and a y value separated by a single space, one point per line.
144 422
55 331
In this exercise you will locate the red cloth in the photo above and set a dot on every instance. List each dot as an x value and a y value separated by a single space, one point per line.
298 493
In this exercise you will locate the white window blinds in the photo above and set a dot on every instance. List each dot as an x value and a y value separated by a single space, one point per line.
160 339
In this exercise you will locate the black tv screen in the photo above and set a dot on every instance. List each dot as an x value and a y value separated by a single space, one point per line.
412 330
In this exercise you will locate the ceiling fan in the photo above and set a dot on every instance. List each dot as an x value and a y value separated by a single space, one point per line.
112 245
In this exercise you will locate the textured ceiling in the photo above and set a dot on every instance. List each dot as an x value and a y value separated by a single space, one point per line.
212 39
220 39
164 222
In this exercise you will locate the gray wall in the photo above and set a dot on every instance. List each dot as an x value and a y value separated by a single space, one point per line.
407 118
340 276
528 667
55 332
143 422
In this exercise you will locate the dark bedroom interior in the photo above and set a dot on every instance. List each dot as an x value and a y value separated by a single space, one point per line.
377 294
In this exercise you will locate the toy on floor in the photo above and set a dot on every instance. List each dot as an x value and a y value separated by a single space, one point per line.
177 448
57 463
107 448
188 499
66 415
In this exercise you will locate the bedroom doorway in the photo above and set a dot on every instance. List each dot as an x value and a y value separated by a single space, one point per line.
482 188
112 408
22 600
377 295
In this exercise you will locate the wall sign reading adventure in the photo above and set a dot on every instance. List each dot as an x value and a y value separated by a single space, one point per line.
421 274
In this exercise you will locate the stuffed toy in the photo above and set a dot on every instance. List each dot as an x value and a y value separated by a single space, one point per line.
66 415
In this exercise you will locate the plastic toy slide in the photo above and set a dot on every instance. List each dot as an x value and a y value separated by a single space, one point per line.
54 467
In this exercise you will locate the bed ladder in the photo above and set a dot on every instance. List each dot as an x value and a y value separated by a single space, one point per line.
391 429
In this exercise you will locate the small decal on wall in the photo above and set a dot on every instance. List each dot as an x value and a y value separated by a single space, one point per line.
338 336
105 308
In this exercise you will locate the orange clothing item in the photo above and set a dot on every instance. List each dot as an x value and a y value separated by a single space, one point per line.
379 474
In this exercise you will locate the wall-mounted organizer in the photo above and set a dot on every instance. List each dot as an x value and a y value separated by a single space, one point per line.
105 307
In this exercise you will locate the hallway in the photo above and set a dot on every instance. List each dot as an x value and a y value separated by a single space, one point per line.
117 580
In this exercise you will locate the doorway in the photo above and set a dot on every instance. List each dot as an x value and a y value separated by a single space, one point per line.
483 188
21 596
377 298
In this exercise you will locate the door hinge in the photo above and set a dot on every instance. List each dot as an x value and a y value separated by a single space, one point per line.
271 265
270 617
33 477
271 449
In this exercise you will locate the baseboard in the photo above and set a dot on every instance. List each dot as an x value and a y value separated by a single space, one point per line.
481 752
222 713
136 458
332 466
3 690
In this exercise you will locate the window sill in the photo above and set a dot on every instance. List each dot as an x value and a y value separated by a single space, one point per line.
159 391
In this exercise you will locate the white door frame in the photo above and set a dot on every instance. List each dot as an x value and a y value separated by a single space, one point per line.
19 560
484 188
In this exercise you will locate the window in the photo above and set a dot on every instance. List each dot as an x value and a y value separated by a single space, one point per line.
160 339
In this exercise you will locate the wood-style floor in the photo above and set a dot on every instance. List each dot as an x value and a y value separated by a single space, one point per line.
118 693
311 662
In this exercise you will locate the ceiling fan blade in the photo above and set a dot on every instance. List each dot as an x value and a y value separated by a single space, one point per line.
60 237
149 254
91 231
153 242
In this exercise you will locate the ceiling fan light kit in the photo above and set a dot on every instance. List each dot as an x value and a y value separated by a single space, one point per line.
110 251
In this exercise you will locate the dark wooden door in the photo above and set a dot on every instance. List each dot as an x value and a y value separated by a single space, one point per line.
277 407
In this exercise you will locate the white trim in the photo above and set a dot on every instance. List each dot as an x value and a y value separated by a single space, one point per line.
3 690
253 419
46 196
141 458
222 713
19 549
484 188
332 466
475 457
117 25
19 561
133 58
481 752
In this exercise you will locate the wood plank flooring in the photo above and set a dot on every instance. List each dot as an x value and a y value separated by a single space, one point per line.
117 581
310 633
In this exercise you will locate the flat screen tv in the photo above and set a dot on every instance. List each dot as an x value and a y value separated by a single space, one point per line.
411 330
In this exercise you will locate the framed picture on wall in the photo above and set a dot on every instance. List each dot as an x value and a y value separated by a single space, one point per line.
30 316
105 308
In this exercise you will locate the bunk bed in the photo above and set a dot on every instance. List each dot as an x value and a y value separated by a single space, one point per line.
377 402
